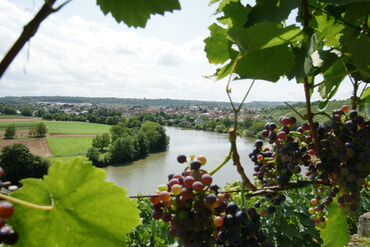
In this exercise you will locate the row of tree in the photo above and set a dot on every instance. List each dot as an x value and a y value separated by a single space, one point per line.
127 141
36 130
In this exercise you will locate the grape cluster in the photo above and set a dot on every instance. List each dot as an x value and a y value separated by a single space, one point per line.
7 234
341 161
284 155
240 228
198 212
188 201
344 157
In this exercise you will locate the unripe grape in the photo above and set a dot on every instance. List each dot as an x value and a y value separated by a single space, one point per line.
197 186
188 181
164 196
176 189
6 210
195 164
202 160
218 221
181 158
206 179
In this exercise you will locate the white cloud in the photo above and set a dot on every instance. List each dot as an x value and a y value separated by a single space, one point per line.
74 56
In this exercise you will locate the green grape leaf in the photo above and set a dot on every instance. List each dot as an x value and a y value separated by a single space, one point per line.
302 65
290 232
88 211
272 10
266 64
359 56
336 231
136 12
328 30
218 46
265 35
332 80
235 15
343 2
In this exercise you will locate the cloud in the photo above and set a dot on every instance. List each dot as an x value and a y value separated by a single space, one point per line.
75 56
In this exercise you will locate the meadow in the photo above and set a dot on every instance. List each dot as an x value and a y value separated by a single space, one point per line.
66 140
77 128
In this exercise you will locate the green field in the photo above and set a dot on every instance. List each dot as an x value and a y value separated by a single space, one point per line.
69 146
76 128
20 125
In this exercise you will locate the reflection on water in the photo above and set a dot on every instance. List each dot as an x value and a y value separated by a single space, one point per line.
143 176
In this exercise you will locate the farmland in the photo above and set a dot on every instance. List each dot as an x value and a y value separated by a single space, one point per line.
64 141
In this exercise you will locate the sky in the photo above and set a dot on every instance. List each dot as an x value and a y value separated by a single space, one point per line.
79 51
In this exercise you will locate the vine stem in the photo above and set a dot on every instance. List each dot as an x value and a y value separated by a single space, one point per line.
24 203
218 167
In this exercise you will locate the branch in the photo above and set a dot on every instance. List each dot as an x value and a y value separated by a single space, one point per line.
236 159
28 32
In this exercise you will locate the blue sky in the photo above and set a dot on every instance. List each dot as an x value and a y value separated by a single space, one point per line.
80 52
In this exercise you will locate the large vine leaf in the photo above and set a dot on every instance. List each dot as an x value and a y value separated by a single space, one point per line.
272 10
359 56
266 64
265 35
88 211
218 46
136 12
336 231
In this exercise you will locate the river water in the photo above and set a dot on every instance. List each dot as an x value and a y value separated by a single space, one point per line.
143 176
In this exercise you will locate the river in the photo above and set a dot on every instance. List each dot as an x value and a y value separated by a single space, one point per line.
143 176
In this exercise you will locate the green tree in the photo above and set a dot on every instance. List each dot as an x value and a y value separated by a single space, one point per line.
9 109
26 111
101 141
124 149
18 163
10 131
39 129
158 140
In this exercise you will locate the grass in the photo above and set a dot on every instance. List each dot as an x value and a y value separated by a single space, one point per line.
18 124
76 127
69 146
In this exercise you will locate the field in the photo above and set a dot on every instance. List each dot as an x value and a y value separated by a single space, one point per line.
65 140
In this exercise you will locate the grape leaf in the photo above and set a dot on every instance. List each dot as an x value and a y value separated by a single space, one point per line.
217 46
343 2
88 211
136 12
359 50
273 11
336 231
265 35
328 30
266 64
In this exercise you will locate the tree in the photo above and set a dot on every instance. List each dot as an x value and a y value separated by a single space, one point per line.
9 109
101 141
26 111
10 131
18 163
156 134
124 149
39 129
